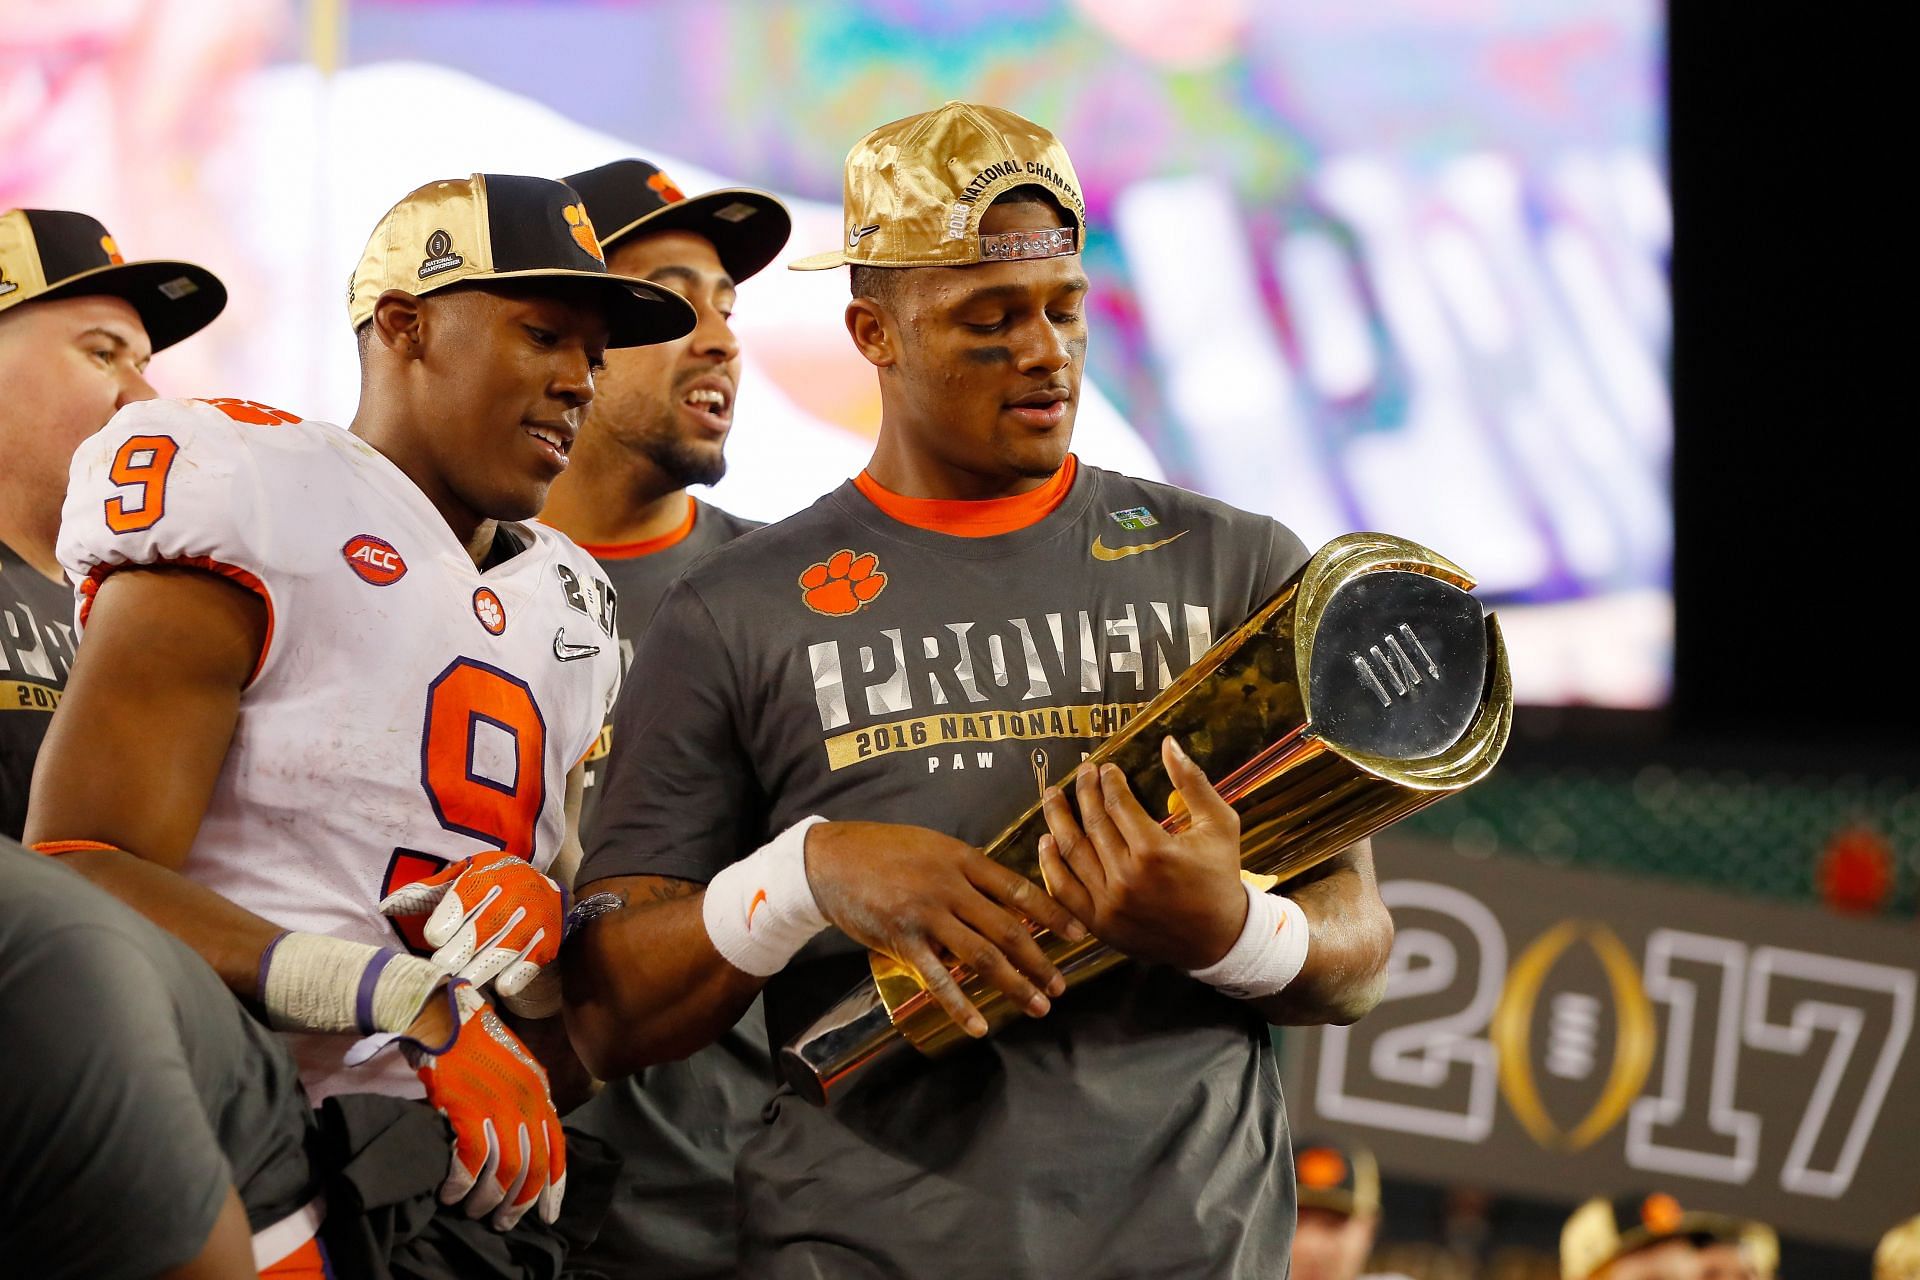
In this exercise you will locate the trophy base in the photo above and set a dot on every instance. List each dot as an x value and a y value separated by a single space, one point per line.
854 1034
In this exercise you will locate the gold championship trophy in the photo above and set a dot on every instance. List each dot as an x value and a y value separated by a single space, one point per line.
1368 687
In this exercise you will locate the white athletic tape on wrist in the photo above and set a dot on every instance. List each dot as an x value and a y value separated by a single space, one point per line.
760 910
310 982
1268 954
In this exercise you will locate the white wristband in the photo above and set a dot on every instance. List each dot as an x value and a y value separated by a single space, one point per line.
1268 954
760 910
310 982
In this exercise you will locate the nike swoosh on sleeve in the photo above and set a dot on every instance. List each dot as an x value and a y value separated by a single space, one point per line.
1101 551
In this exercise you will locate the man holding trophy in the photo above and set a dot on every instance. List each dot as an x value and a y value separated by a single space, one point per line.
926 655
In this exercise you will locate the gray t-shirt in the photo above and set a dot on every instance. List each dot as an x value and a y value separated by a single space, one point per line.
36 649
680 1125
137 1089
1136 1131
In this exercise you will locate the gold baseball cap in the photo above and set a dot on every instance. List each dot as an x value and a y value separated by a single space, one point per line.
1898 1255
1602 1231
915 191
495 226
46 254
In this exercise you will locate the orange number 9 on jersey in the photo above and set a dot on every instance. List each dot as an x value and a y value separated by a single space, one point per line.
493 794
143 461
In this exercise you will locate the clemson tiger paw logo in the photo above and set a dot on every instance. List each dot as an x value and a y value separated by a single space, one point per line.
252 412
577 222
664 187
843 584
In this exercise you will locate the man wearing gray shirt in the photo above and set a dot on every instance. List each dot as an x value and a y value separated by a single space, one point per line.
659 423
151 1123
913 657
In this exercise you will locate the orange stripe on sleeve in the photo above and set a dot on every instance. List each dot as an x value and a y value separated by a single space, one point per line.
54 848
233 573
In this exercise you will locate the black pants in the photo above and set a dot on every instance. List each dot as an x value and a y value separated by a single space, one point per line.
383 1160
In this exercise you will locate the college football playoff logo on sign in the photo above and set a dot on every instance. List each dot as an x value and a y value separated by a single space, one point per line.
843 583
440 255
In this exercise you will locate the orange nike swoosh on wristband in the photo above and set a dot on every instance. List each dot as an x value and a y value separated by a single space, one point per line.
759 897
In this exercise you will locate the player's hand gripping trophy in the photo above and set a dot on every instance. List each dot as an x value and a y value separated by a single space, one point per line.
1368 687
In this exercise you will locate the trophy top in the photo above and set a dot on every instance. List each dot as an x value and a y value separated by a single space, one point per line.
1399 666
1356 666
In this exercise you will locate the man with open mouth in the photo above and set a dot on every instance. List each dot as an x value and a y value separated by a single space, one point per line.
658 424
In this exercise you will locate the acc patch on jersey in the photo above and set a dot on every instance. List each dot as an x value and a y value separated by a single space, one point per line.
374 559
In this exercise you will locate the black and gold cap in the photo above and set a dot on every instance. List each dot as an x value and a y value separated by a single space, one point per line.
748 228
1603 1231
46 254
1340 1179
495 226
915 191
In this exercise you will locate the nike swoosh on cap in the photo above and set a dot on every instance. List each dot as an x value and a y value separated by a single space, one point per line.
571 652
1101 551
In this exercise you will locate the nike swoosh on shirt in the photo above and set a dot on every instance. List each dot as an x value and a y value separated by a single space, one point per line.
571 652
1101 551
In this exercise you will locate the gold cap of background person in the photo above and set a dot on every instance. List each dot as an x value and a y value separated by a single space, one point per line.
506 227
1898 1257
1602 1231
47 254
915 190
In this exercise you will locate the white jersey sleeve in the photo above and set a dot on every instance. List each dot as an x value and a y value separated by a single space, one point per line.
172 482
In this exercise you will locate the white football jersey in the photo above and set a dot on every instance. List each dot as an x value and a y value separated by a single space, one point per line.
408 709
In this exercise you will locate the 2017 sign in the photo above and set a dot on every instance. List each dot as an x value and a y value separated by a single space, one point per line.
1571 1034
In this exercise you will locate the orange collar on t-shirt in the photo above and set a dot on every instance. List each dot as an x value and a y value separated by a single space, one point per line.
646 546
982 519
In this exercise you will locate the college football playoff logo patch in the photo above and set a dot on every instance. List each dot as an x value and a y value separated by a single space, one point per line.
843 583
374 559
440 255
487 608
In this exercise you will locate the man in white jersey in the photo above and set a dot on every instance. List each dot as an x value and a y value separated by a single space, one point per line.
324 666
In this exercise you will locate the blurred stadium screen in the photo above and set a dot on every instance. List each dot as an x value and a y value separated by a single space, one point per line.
1398 266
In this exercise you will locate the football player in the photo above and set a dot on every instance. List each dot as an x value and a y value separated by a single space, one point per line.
975 609
659 423
78 324
331 672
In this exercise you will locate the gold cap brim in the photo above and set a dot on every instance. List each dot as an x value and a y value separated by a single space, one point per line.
820 261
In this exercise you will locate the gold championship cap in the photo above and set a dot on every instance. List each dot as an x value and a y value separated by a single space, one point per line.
1343 1180
505 227
47 254
1601 1232
915 190
1898 1257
